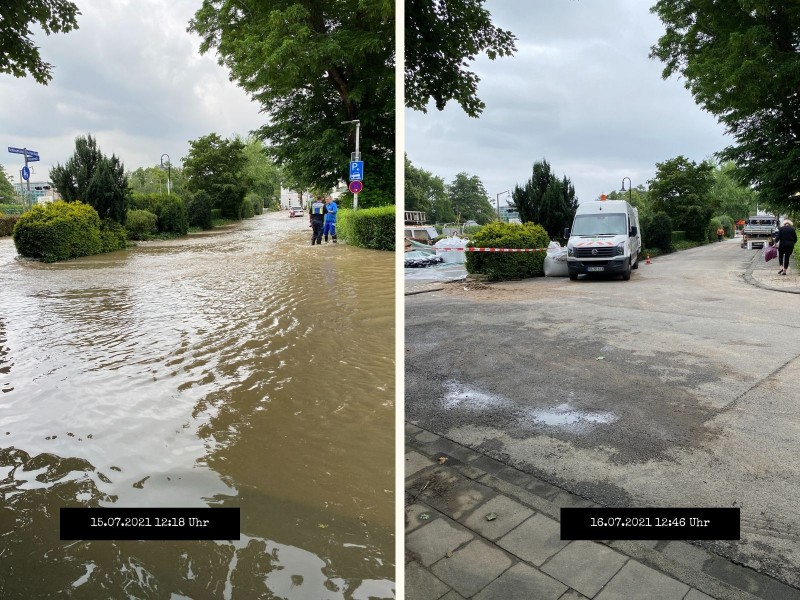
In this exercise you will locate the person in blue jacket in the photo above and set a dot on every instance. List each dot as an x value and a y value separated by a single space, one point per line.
316 213
330 219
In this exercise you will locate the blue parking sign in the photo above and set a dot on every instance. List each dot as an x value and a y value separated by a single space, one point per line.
357 170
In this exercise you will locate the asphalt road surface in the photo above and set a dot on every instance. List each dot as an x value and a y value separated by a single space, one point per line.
680 387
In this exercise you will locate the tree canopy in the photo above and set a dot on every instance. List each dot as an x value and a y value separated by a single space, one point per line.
19 56
546 200
153 180
214 166
92 177
682 189
469 199
426 192
740 61
6 187
312 65
441 38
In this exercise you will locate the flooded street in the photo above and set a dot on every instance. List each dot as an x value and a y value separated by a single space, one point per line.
238 368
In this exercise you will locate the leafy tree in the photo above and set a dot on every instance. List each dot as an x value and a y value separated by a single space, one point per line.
469 199
735 200
546 200
153 180
441 38
311 65
214 165
740 61
90 176
18 54
426 192
261 176
682 190
6 187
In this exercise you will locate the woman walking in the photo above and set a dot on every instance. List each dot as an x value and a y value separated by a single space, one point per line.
785 239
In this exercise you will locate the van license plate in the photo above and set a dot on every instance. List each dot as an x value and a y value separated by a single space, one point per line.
591 269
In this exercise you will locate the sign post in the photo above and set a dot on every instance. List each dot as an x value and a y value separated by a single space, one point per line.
25 173
355 159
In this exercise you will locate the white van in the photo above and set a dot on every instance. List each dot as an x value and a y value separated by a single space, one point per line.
605 238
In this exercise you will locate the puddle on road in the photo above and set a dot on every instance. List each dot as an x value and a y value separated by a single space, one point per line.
564 415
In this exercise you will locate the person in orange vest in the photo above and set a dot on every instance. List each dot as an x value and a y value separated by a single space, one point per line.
720 234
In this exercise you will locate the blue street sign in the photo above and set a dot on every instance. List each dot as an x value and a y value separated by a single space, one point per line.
26 173
32 155
355 186
16 150
357 170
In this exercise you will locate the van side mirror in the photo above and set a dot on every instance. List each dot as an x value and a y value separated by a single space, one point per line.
634 231
566 233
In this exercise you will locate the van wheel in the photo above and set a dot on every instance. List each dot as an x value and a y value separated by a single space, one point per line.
626 274
573 276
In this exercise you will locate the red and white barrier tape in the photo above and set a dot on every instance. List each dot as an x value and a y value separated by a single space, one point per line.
496 249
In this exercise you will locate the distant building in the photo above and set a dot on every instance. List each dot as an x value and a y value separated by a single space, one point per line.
41 191
508 214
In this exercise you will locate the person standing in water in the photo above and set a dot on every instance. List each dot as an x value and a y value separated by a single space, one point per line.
330 219
316 213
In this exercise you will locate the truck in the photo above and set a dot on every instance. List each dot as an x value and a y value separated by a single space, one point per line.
605 237
758 230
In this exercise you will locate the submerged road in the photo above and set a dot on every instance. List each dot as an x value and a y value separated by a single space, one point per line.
680 387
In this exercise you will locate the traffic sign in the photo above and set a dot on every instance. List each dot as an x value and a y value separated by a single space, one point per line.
356 170
26 173
355 187
32 155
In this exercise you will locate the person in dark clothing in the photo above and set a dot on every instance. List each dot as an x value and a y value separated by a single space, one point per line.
316 213
786 238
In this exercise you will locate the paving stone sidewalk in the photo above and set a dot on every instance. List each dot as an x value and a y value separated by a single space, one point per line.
454 552
765 275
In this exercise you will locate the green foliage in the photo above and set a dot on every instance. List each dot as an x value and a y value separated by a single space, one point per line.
214 166
512 265
112 236
247 209
11 209
441 36
740 61
472 229
153 180
312 65
170 211
19 56
58 231
728 224
734 199
469 200
261 176
711 229
426 192
657 232
256 204
199 211
367 228
7 223
7 193
90 176
546 200
216 214
678 236
140 224
682 189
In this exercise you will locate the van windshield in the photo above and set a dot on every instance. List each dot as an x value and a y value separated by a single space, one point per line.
612 224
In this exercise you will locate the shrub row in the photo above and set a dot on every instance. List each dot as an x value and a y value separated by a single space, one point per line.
140 224
170 211
512 265
7 223
63 230
367 228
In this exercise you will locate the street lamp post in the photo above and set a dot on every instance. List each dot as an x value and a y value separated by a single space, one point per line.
630 189
169 168
498 202
356 155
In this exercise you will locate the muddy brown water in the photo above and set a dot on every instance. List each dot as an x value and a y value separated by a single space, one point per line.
239 368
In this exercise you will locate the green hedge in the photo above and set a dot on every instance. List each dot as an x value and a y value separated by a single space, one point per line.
7 223
256 201
367 228
140 224
58 231
678 236
512 265
112 236
247 211
199 210
169 208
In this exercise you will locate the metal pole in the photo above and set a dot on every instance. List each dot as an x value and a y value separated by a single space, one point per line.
630 189
358 154
498 202
169 170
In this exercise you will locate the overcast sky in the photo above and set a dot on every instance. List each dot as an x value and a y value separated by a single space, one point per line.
132 77
580 92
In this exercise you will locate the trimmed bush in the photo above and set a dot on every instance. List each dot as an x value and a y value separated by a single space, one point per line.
140 224
58 231
7 223
367 228
216 214
112 236
678 236
660 234
256 201
169 208
247 209
499 266
728 225
199 211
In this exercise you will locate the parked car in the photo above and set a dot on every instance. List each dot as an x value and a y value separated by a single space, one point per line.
296 211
